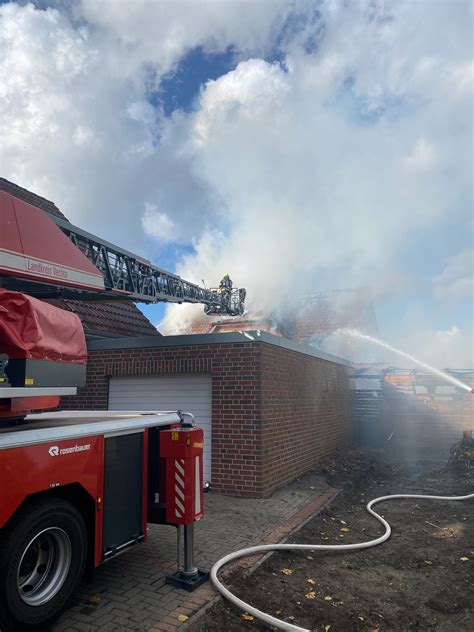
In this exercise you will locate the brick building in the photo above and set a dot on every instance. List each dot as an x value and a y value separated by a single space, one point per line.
275 407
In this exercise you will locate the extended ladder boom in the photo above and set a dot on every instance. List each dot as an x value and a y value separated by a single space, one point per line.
126 272
35 259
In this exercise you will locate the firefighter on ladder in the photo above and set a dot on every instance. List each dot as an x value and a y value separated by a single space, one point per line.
225 288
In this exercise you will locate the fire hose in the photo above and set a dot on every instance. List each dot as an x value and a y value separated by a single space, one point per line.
283 625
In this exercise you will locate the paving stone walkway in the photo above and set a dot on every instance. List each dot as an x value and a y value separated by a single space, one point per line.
129 591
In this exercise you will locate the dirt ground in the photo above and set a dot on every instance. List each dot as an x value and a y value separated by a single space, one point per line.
421 579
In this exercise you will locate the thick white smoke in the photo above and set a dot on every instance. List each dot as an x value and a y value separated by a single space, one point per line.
348 162
332 167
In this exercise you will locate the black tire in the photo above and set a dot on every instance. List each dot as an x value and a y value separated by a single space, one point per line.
51 533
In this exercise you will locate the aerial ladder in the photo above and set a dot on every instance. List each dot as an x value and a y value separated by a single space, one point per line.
119 274
66 477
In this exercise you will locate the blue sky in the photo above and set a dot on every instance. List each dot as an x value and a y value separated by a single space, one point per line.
302 146
180 90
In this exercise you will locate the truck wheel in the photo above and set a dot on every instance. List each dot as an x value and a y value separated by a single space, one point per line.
42 558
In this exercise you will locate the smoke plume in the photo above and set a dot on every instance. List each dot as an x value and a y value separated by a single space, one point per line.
336 153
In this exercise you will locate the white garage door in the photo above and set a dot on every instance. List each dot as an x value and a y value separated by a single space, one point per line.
190 393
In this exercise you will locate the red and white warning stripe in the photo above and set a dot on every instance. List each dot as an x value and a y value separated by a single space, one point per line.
179 487
199 486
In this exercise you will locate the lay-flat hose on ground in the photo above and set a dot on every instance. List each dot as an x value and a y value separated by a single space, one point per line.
283 625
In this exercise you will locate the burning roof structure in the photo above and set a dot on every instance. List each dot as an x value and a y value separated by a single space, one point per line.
314 319
320 315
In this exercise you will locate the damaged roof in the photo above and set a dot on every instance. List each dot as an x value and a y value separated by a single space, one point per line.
322 314
203 324
314 317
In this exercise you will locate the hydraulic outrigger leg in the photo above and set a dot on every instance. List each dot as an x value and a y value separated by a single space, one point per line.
187 576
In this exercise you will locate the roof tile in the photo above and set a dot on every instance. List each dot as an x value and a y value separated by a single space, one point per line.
115 318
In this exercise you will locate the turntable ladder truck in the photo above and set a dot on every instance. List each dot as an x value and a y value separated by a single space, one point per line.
77 488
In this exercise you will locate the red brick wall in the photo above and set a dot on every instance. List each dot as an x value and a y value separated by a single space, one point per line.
306 413
275 412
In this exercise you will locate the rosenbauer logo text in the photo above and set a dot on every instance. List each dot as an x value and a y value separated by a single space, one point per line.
55 450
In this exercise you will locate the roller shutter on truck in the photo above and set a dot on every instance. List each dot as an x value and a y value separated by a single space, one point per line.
190 393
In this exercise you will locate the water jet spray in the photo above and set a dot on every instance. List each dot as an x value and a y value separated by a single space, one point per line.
445 376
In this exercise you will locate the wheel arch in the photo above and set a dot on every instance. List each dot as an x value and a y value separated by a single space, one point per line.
76 495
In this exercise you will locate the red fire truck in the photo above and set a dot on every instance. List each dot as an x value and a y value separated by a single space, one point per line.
77 488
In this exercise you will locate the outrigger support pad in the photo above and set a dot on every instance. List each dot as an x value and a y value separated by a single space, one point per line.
189 576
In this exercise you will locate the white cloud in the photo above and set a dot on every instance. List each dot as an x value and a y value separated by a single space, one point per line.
157 224
457 279
252 91
75 121
422 157
65 126
462 77
159 32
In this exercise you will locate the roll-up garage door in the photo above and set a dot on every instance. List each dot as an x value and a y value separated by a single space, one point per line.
190 393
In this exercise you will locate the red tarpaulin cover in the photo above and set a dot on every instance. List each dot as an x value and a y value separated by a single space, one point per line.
30 328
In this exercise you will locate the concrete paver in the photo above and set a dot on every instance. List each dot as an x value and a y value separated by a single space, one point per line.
129 593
